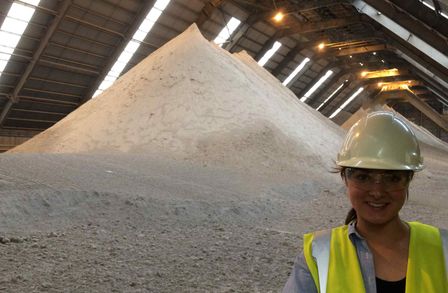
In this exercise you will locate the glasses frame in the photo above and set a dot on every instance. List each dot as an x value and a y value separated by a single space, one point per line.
378 178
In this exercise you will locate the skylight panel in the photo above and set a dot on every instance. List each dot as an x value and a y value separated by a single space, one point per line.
330 96
427 4
15 26
146 26
133 45
269 53
15 23
296 71
316 85
117 69
227 31
107 82
140 35
154 14
347 102
162 4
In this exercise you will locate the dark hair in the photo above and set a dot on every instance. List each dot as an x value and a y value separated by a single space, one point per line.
351 215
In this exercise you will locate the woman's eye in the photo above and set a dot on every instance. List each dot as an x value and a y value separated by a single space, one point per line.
393 178
362 177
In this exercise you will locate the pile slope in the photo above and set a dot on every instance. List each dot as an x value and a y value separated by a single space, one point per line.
192 100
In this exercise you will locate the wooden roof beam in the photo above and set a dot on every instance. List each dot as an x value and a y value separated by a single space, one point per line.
146 6
34 60
417 103
209 8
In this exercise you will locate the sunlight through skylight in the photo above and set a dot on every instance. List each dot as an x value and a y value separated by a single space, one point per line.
227 31
138 37
296 71
12 29
269 53
427 4
330 96
347 102
316 85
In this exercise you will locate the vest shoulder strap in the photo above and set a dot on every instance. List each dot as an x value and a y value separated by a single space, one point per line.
321 255
444 236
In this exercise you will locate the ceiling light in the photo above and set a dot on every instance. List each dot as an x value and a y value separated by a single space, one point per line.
380 73
321 46
279 16
396 85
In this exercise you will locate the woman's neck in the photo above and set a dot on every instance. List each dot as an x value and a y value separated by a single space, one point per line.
391 231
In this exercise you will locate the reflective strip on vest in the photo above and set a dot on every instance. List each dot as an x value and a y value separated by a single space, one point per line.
321 254
444 236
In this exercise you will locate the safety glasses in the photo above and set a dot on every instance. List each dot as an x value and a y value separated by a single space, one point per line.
367 179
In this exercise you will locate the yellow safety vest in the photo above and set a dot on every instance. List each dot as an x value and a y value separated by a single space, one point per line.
335 268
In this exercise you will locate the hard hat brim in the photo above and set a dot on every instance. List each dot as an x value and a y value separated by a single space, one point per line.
369 163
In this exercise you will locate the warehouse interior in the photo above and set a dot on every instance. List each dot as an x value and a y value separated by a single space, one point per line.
187 145
68 51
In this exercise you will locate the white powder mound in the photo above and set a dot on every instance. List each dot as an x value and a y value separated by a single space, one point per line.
193 100
421 133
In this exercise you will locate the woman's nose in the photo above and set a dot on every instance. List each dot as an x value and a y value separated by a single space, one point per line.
377 188
376 193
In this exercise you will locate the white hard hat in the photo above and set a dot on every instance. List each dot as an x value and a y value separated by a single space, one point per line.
381 140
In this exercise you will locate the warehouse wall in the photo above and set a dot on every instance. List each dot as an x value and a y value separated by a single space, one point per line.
10 139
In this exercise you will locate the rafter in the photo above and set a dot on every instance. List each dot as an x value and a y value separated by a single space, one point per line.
143 11
405 18
336 94
316 79
244 27
35 59
268 44
209 8
302 28
417 103
292 55
359 50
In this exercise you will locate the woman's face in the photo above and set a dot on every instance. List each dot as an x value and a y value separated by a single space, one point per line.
376 195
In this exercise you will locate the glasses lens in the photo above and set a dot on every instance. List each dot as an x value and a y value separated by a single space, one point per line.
367 179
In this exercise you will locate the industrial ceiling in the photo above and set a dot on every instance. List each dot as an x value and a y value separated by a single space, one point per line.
69 46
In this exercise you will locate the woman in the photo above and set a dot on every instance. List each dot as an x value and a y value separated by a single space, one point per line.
375 251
